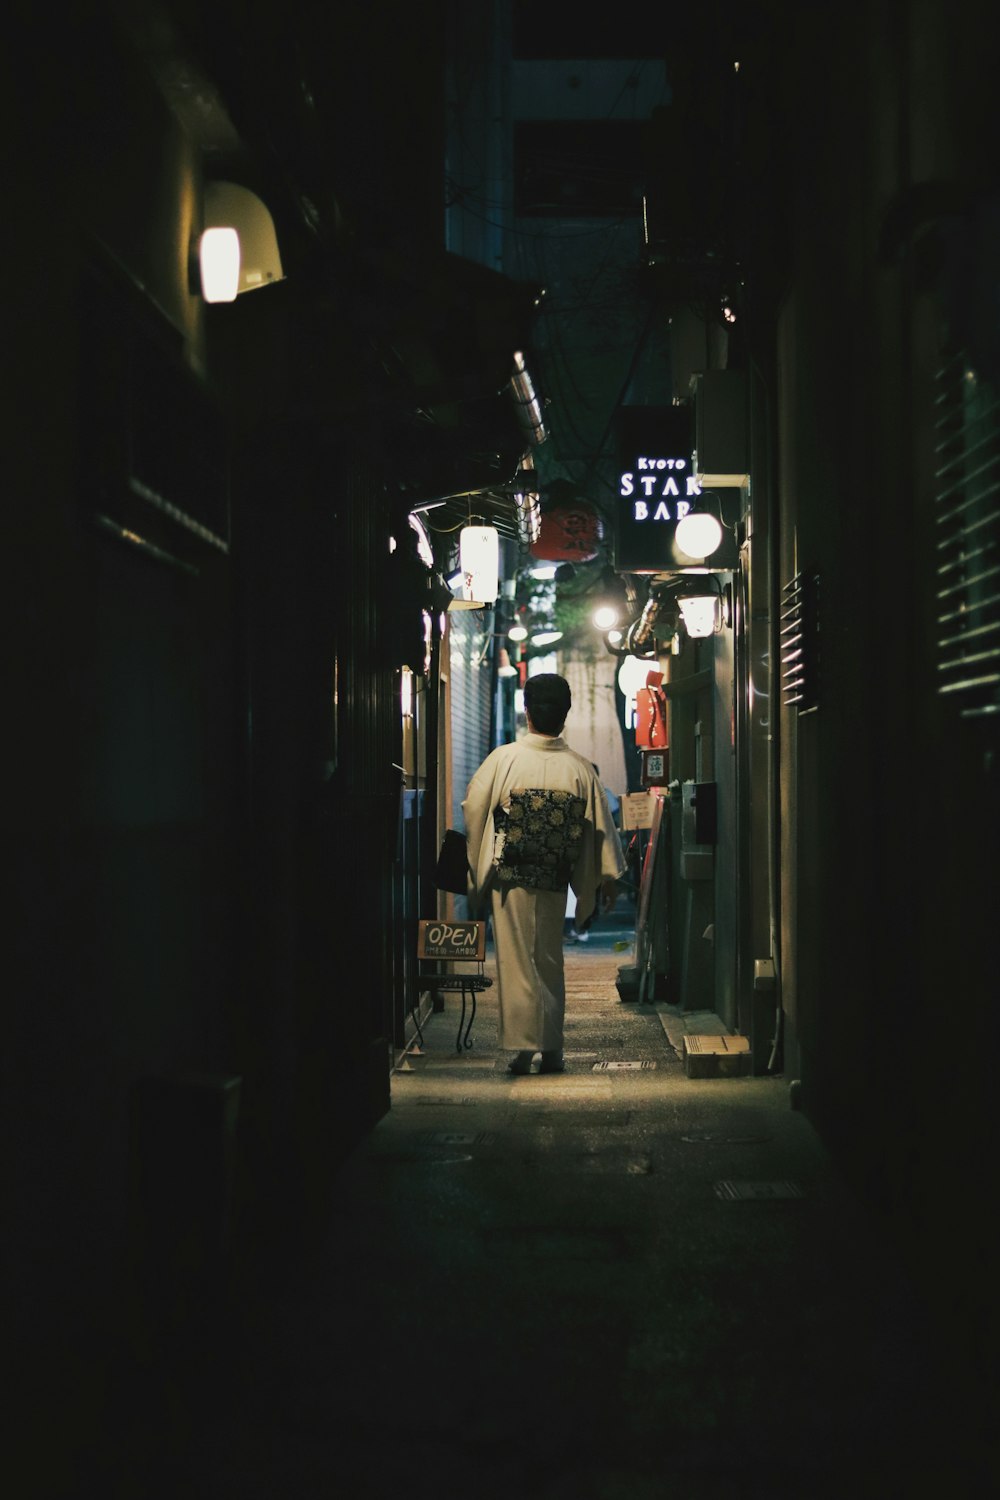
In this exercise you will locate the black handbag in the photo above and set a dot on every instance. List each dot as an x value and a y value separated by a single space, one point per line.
451 873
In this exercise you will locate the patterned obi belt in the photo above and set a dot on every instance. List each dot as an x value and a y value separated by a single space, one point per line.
537 839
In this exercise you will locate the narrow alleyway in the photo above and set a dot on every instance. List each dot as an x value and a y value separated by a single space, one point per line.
569 1287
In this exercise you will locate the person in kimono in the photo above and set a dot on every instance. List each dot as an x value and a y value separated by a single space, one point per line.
537 822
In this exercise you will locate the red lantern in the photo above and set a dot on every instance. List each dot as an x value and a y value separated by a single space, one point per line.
568 533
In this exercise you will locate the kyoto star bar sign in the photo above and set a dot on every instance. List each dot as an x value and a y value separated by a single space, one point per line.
657 487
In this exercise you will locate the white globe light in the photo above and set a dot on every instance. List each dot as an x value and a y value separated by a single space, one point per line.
605 617
698 535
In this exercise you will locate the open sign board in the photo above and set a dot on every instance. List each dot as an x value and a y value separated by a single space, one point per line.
439 938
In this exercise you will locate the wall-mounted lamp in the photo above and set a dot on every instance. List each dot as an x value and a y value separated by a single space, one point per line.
229 205
704 609
700 613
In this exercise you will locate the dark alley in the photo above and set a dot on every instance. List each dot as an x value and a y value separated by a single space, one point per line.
565 1287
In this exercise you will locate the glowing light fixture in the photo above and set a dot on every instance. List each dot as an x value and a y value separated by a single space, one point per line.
611 603
700 613
518 632
546 637
479 562
698 534
229 203
219 264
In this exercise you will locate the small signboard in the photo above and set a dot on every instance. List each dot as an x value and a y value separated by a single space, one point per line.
637 810
655 767
439 938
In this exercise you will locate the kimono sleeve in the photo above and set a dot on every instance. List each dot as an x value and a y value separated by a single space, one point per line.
600 857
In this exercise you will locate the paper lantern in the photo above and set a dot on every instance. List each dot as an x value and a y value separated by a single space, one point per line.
479 560
568 533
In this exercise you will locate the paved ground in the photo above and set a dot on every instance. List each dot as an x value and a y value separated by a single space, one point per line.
619 1283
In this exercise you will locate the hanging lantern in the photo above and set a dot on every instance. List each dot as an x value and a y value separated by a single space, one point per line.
479 562
569 532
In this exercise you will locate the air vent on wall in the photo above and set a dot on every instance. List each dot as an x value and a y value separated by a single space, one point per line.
967 540
799 642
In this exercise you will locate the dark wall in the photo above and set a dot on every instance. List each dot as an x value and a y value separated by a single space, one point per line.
887 793
117 953
203 718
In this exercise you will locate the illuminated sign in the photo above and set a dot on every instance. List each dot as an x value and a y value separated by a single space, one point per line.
657 487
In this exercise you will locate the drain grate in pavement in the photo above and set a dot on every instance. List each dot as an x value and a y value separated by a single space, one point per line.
745 1192
622 1067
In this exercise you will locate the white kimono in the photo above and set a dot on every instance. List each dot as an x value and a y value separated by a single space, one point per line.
528 918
